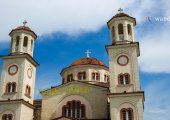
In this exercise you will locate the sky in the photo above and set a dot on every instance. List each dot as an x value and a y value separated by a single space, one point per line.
66 29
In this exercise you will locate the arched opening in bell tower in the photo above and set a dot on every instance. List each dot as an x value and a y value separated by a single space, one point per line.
120 31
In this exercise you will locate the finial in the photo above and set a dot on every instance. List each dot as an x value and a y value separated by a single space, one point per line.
88 53
24 23
120 10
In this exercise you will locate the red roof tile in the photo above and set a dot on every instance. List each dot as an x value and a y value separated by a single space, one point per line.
87 61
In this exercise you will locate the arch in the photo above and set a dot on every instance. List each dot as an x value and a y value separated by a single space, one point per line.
113 33
17 40
95 76
28 90
25 43
13 87
31 45
7 115
126 114
106 77
120 29
69 77
79 99
10 87
129 29
124 79
81 75
74 109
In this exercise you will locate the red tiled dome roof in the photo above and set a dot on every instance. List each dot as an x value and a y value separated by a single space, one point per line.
23 28
121 15
87 61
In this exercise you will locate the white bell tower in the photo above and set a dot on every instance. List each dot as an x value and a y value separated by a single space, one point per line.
18 76
126 97
22 40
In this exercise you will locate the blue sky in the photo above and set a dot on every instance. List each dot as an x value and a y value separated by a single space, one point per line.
66 29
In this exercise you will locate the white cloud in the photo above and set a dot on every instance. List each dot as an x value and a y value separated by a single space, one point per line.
67 16
157 104
155 50
74 17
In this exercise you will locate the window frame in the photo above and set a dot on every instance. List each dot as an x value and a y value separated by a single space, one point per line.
122 79
126 114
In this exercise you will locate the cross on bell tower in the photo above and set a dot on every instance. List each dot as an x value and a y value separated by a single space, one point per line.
120 10
25 22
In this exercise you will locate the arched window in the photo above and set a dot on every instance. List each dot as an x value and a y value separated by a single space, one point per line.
11 87
25 41
28 91
129 29
31 45
106 78
7 117
124 79
74 109
82 75
69 77
17 41
113 33
95 76
120 29
126 114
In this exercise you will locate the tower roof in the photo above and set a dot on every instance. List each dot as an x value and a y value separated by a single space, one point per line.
26 28
87 61
121 14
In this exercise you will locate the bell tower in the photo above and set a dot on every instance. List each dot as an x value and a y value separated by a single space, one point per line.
126 97
18 76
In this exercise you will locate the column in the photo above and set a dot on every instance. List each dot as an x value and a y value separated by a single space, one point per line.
125 31
116 32
21 43
133 33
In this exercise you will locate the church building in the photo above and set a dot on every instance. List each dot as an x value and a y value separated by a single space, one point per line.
90 90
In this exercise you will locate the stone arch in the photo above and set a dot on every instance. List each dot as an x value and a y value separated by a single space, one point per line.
127 105
63 101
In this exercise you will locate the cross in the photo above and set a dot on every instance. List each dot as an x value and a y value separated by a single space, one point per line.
88 53
120 10
25 22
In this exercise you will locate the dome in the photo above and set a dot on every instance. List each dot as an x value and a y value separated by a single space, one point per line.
26 28
118 15
87 61
23 28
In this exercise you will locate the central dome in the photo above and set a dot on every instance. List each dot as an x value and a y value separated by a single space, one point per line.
87 61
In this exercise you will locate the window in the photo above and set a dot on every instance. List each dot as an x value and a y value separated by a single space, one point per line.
126 114
95 76
25 41
7 117
124 79
31 45
69 77
28 91
74 109
82 75
129 29
113 33
106 78
11 87
120 28
17 41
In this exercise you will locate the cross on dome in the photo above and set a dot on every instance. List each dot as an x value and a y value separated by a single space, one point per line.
120 10
25 22
88 53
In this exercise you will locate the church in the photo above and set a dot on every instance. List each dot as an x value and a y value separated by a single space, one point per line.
90 90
